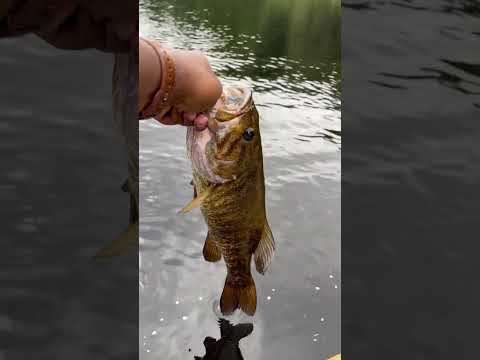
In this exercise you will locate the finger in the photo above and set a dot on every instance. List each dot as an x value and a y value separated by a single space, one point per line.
165 117
201 122
203 94
171 117
176 117
189 118
165 120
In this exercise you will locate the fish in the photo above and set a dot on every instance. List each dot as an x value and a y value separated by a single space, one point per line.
227 347
229 188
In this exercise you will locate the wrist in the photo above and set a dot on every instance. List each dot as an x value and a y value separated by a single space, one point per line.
150 74
160 96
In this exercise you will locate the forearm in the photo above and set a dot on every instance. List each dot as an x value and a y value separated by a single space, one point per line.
149 74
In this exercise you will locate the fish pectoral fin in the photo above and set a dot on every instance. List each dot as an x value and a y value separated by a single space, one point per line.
119 245
265 250
211 253
196 201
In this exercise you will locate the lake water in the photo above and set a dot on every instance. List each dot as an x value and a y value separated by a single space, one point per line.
289 53
410 110
60 177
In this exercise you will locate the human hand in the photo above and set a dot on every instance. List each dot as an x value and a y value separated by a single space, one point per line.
196 90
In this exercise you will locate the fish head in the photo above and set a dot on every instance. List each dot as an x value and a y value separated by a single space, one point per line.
230 146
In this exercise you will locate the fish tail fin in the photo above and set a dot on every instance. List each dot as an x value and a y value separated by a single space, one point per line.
248 297
236 297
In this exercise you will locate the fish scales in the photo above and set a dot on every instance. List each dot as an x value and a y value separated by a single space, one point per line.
227 164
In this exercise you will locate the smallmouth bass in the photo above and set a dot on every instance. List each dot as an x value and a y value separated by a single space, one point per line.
228 179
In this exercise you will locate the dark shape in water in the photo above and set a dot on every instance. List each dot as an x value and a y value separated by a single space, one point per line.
124 104
227 347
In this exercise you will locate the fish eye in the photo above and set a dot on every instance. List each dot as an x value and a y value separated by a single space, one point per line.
248 134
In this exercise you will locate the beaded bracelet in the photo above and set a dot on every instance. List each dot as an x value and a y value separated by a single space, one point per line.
163 95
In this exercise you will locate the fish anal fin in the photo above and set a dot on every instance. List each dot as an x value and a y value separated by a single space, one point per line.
120 244
265 250
196 202
211 253
234 297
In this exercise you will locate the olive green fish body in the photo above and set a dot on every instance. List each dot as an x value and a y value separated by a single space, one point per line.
228 177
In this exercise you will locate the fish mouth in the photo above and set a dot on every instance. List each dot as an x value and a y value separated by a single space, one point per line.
235 101
227 112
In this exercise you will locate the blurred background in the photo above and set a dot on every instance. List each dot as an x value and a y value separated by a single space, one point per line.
63 163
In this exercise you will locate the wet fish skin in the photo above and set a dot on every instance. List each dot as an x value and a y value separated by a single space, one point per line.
228 168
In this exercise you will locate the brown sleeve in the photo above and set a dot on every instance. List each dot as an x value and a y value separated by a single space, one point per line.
105 25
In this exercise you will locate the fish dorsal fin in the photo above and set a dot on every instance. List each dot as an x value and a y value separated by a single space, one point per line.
265 250
196 202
